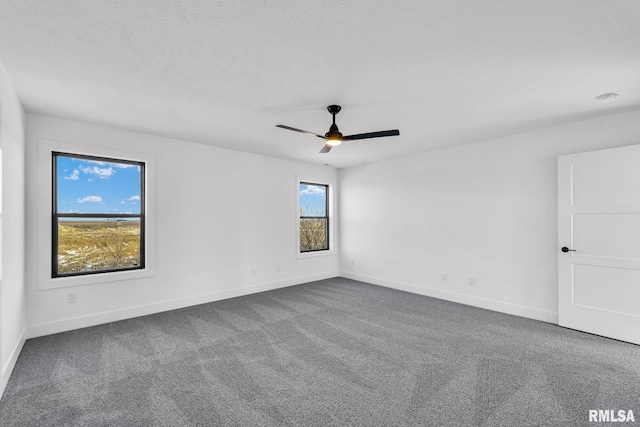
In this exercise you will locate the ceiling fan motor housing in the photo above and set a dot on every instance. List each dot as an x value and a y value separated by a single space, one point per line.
334 136
333 133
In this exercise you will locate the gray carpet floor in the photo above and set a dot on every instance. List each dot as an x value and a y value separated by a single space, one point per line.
331 353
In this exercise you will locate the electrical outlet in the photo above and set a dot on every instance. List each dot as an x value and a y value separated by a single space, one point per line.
253 272
472 280
445 276
353 261
278 268
72 297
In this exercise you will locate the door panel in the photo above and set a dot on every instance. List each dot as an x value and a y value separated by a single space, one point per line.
599 220
606 182
589 292
606 235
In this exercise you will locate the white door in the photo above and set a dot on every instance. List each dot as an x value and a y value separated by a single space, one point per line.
599 228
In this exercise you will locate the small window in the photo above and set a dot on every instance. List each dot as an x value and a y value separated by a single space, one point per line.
314 217
98 221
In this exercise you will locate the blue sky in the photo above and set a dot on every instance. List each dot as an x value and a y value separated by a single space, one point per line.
312 199
89 186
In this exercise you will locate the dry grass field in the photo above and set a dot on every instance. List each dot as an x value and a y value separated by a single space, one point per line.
85 245
313 234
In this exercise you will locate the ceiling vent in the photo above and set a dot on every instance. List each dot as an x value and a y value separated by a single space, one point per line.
608 97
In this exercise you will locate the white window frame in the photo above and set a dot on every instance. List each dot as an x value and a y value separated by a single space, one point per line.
331 197
46 148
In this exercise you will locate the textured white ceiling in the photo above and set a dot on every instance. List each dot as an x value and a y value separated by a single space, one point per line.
226 72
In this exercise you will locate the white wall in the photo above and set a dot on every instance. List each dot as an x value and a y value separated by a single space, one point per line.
218 214
12 230
487 209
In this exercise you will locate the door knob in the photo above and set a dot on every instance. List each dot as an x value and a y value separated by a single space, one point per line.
566 249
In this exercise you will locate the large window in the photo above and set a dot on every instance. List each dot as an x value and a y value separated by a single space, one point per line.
314 217
98 220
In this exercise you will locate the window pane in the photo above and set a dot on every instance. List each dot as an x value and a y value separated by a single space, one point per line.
89 245
95 186
313 234
313 200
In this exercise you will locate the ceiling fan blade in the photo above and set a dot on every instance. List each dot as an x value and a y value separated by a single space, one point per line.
393 132
300 130
326 148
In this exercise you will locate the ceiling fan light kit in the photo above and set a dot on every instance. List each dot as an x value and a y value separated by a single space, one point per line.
334 136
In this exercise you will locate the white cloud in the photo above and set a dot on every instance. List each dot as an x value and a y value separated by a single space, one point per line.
75 175
103 173
313 189
132 200
92 199
113 165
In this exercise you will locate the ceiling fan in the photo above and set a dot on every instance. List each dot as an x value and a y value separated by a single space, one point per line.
334 137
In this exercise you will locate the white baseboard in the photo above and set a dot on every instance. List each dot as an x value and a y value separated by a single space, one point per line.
49 328
8 368
502 307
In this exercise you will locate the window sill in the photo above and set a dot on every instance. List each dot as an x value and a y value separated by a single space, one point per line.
90 279
315 254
